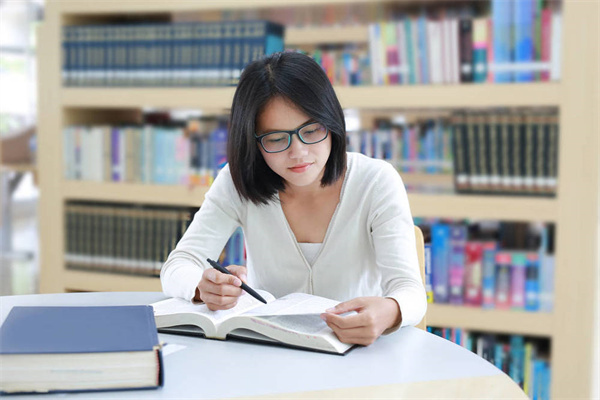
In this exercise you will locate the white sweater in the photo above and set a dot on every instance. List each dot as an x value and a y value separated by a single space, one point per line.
369 248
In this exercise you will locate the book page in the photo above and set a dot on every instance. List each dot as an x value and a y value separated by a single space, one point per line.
181 306
295 304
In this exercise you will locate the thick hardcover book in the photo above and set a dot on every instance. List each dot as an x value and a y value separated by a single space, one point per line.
58 349
293 320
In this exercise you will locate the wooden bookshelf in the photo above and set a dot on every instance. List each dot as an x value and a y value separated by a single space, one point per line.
422 205
88 281
171 195
574 210
367 97
497 321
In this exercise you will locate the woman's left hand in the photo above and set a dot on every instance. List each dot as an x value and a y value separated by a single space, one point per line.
373 316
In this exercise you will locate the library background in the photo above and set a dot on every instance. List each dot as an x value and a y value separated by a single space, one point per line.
114 121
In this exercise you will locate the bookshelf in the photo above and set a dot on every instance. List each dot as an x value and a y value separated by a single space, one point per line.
574 210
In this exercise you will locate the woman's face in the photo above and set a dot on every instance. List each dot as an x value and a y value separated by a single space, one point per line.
300 165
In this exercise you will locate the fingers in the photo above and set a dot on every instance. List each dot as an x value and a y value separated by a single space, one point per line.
350 305
240 271
361 335
216 302
347 322
220 290
220 278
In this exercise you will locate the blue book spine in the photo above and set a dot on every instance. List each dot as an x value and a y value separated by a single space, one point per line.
499 355
66 54
428 274
502 23
523 37
219 146
456 267
430 147
517 359
488 282
274 38
440 249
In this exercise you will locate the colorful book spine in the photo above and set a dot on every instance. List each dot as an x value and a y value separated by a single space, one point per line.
502 41
440 239
456 264
473 273
518 277
428 273
523 38
480 49
502 295
488 281
517 359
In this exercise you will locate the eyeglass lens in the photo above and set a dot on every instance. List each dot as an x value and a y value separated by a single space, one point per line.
279 141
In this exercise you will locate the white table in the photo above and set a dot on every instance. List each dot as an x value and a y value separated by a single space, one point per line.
410 363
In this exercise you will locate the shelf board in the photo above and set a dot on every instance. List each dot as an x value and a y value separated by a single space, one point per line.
113 7
506 208
176 195
500 321
320 35
450 96
417 178
366 97
422 205
90 281
152 97
18 167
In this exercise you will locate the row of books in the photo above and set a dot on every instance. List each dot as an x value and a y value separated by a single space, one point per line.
526 360
170 154
165 54
420 146
130 238
518 42
347 65
508 153
122 238
505 266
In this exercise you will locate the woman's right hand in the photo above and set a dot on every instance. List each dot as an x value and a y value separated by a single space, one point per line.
220 291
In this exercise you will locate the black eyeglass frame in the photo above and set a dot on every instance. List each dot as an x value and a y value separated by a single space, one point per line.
290 133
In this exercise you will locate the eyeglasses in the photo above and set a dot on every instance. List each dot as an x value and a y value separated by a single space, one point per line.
278 141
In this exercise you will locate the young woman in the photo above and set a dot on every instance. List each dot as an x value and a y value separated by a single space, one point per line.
315 218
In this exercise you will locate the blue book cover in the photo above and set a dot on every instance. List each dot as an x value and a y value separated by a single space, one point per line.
423 53
440 250
218 140
428 274
55 333
517 359
502 43
456 263
523 37
488 281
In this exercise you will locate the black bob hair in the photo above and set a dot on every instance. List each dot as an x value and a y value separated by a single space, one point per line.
295 77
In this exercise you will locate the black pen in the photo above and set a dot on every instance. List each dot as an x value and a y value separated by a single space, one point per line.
245 287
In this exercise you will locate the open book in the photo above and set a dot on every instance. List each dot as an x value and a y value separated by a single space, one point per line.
293 320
